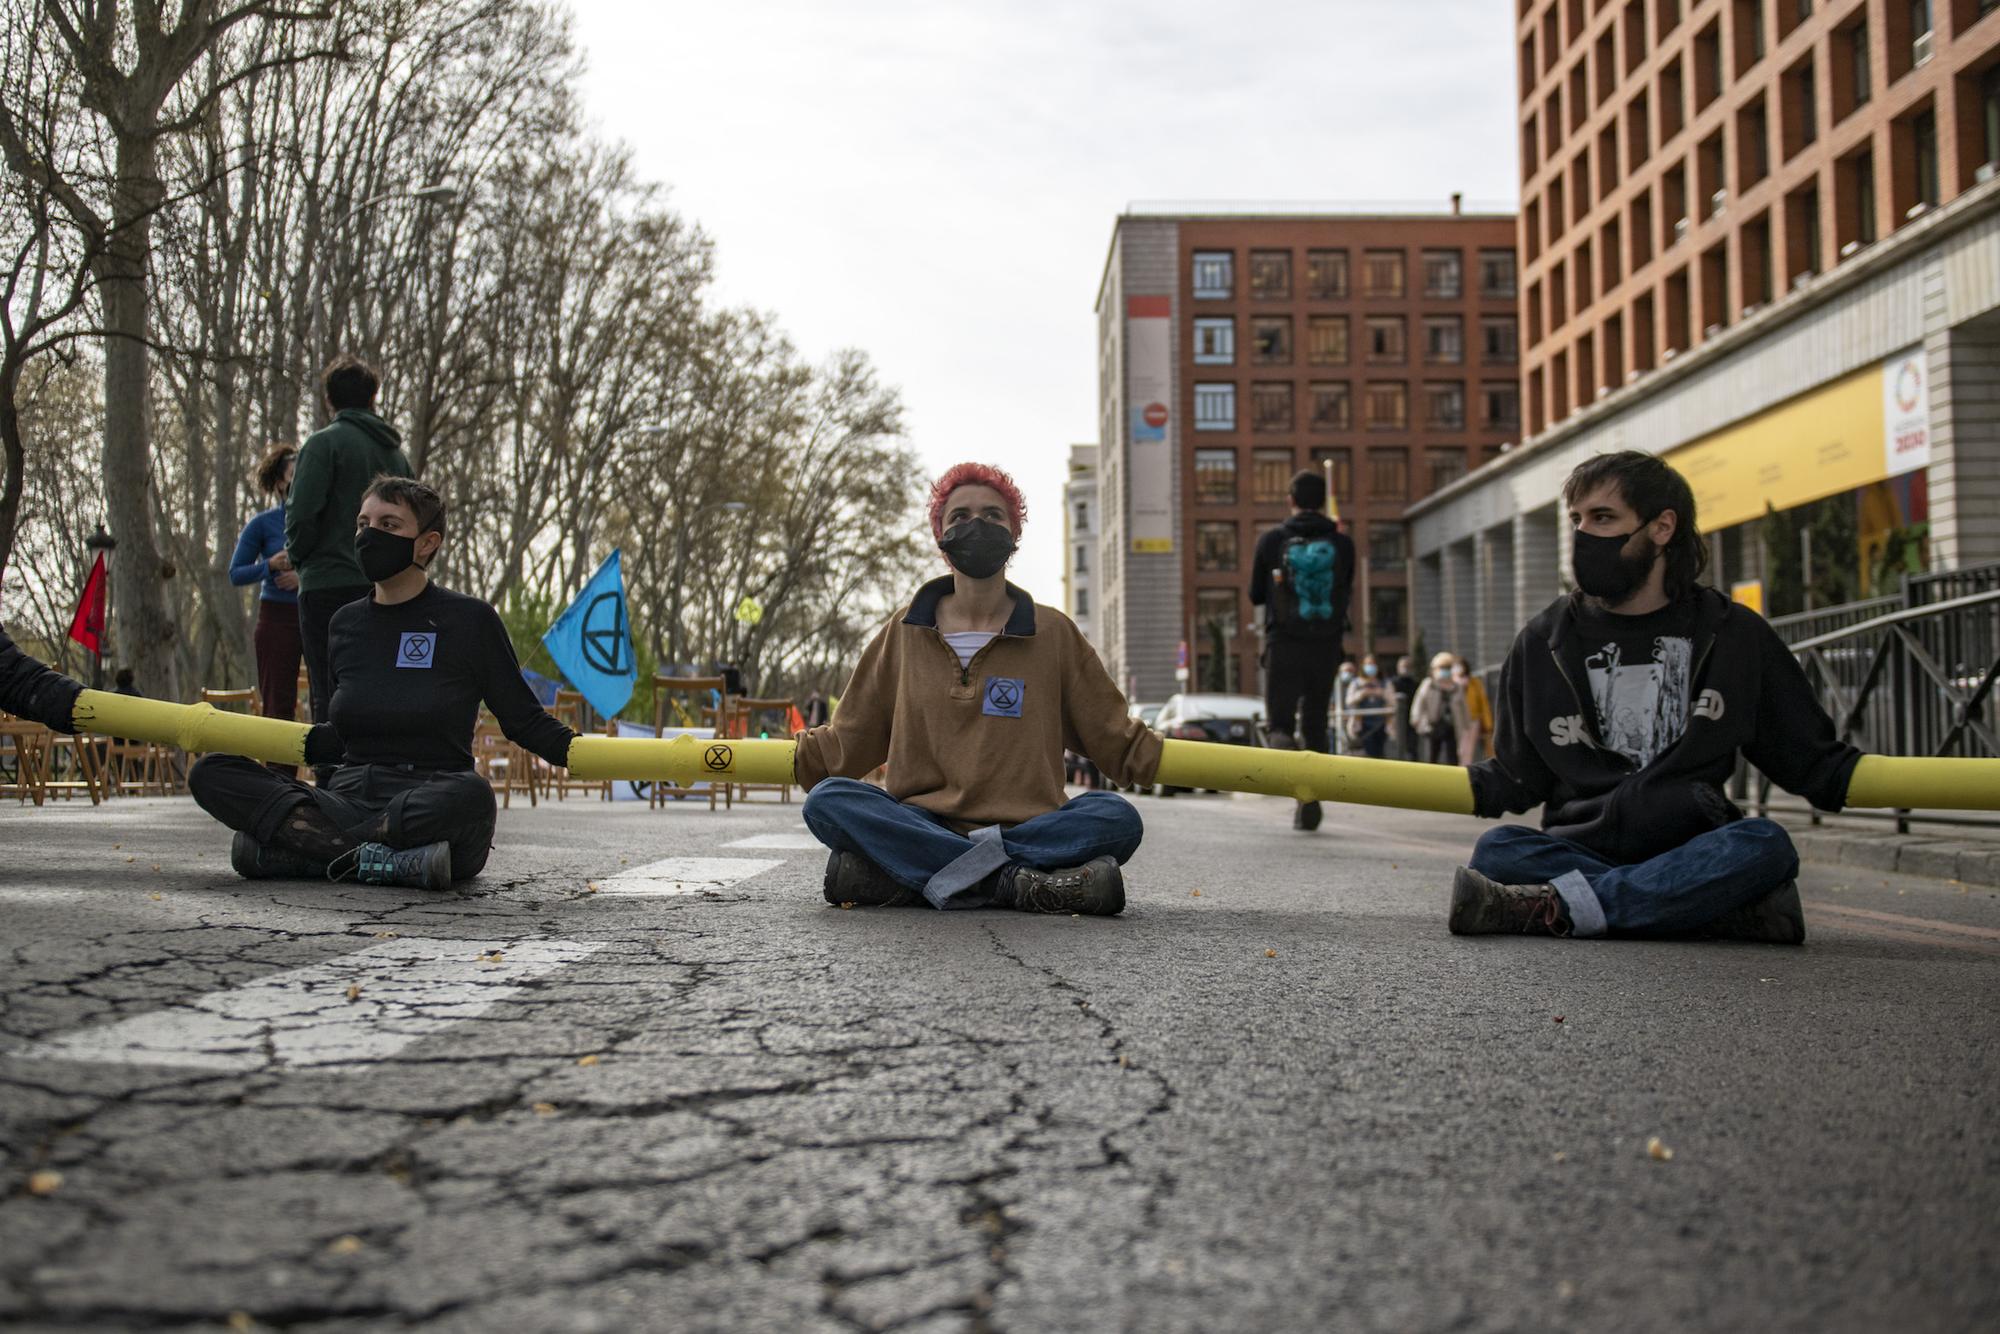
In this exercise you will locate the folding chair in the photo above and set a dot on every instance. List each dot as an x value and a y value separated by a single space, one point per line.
706 705
26 778
569 710
744 713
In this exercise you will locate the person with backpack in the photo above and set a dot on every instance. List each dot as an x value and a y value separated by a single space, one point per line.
1303 577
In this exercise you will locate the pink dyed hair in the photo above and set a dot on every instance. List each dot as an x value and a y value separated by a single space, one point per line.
977 474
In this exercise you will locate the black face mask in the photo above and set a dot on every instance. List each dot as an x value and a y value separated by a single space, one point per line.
976 548
1602 568
384 555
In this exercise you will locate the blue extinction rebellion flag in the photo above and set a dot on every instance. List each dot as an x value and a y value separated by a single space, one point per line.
592 641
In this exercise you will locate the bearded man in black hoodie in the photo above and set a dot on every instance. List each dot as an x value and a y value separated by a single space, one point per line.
1303 576
1622 710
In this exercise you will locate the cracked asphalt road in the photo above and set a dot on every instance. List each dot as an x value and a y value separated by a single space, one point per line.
733 1107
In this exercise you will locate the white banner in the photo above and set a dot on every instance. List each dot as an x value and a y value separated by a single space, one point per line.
1149 389
1906 413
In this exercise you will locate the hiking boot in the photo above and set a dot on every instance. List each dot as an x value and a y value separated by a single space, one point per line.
260 861
854 880
1307 816
1482 907
428 867
1095 889
1776 919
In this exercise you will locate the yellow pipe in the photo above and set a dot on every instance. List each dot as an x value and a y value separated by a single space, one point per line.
192 727
682 760
1307 776
1919 783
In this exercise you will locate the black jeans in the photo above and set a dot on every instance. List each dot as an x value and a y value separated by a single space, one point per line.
316 611
1298 686
1441 746
369 803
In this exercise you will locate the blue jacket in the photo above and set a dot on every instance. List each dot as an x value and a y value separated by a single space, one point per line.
263 537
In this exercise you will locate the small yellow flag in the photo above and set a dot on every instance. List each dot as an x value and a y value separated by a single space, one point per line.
749 611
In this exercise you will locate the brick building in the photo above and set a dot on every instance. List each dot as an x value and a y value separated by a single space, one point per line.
1236 348
1761 238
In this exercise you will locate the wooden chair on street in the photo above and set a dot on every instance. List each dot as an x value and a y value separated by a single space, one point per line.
500 762
570 710
690 701
236 701
23 757
745 713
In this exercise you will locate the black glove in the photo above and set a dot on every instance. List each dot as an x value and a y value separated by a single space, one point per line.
324 746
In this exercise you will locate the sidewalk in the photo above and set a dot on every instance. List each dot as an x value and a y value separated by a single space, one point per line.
1966 853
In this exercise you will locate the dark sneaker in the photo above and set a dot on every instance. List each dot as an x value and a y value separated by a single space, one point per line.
1776 919
428 867
260 861
1095 889
1307 816
1482 907
853 879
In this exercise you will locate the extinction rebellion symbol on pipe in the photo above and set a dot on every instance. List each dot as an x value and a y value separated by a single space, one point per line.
718 758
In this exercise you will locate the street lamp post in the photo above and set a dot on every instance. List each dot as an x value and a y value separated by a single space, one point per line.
680 556
439 192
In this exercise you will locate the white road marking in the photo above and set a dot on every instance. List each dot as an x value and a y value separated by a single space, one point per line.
403 991
682 875
789 842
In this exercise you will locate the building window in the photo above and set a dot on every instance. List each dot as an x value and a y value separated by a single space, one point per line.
1331 410
1271 406
1326 340
1215 623
1500 338
1444 406
1924 132
1082 602
1858 60
1343 469
1388 610
1215 546
1271 275
1083 560
1388 406
1385 339
1444 340
1271 340
1496 275
1382 273
1326 275
1445 466
1444 275
1215 342
1215 407
1215 476
1388 473
1214 276
1270 476
1386 551
1921 40
1082 517
1503 405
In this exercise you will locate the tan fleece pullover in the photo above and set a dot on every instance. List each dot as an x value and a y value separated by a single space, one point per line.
981 744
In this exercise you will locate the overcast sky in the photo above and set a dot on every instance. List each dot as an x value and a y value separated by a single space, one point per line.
935 181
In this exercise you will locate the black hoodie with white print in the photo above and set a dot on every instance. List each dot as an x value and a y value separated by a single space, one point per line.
1720 684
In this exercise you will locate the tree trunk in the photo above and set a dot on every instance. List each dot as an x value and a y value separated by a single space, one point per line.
16 465
145 632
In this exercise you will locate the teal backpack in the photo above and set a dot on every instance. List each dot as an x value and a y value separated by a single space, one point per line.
1302 592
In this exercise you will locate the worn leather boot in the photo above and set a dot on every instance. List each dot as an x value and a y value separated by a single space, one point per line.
1482 907
852 879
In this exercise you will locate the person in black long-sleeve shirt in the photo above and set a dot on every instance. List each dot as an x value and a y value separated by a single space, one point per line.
35 692
409 667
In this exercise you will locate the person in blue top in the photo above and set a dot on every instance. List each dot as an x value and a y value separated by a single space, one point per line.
260 559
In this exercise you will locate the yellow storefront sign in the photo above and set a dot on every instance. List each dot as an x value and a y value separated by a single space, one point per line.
1817 445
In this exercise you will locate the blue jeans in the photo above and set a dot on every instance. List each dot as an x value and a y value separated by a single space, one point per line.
920 851
1672 894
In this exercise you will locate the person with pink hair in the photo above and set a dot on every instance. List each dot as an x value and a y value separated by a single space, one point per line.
970 695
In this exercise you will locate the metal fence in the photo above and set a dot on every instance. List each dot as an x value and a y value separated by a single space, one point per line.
1911 674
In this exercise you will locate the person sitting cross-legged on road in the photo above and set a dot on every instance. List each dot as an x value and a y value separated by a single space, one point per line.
971 695
409 667
1622 711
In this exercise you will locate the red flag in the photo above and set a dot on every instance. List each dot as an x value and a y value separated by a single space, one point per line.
87 626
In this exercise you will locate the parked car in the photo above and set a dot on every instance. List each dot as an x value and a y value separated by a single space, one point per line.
1145 713
1232 720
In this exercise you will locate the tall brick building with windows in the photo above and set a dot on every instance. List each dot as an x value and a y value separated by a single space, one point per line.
1760 238
1236 348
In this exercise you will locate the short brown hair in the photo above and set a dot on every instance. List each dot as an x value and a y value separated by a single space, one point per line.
278 456
350 382
414 496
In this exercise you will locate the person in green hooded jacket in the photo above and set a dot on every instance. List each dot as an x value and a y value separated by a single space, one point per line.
336 465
